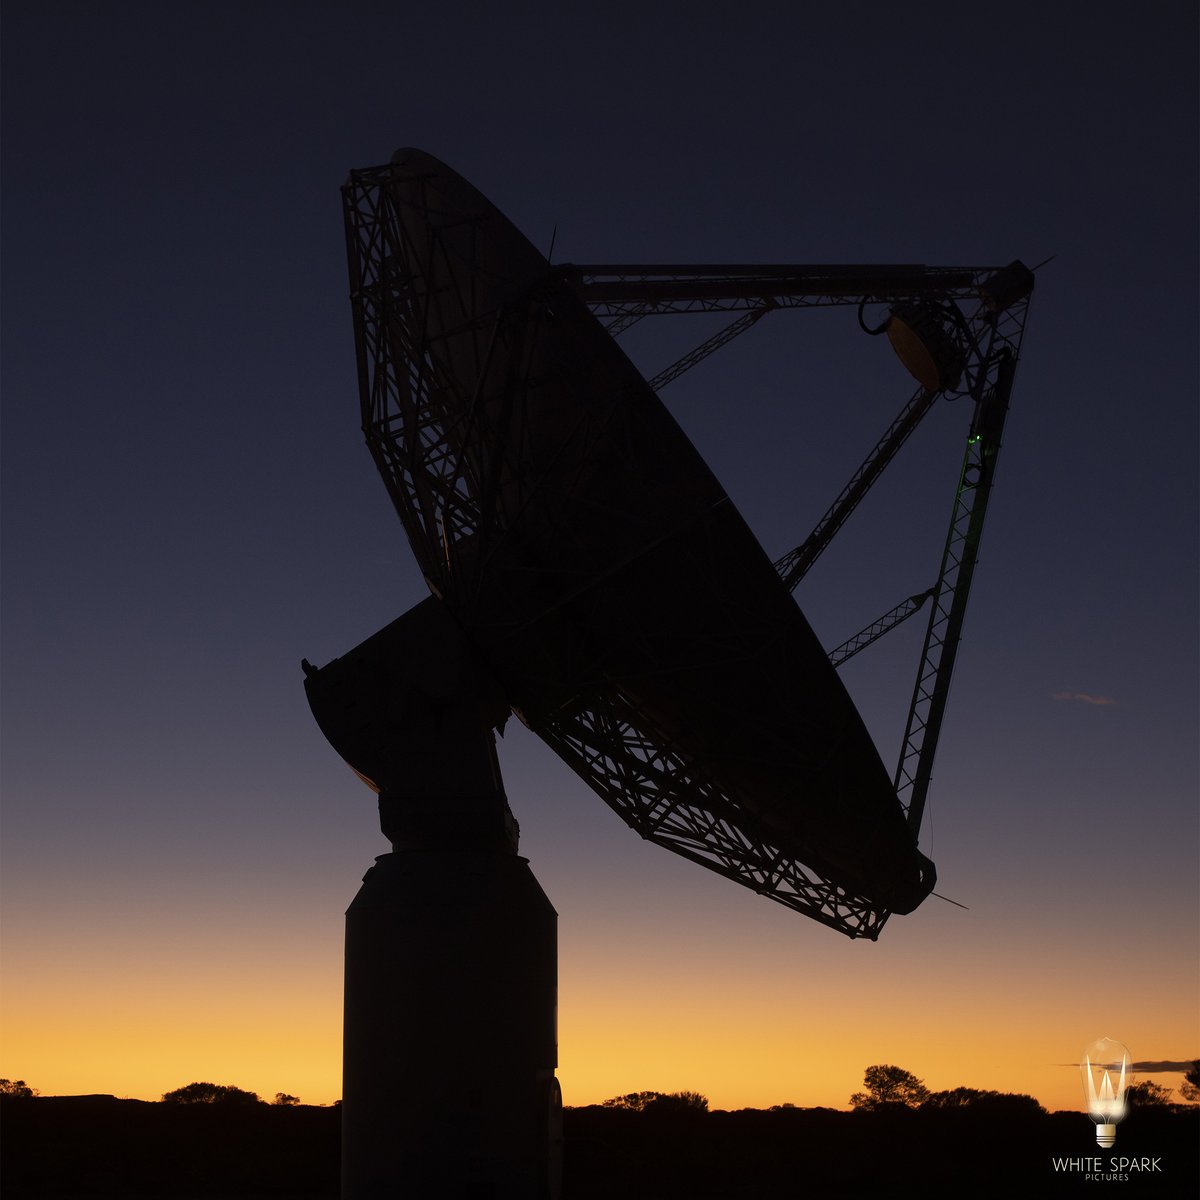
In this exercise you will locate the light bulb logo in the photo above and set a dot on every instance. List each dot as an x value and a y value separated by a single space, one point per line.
1106 1071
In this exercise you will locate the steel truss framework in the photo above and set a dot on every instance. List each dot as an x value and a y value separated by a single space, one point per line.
992 336
666 799
447 498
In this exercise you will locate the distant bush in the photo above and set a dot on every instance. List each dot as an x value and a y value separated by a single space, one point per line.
16 1087
689 1102
976 1099
285 1098
1148 1094
660 1102
210 1093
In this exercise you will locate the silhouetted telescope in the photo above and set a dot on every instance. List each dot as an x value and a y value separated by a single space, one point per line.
590 575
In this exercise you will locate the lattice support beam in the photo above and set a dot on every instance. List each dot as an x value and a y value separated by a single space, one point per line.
915 768
721 338
794 565
885 624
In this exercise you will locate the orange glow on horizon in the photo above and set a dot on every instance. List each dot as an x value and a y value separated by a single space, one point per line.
739 1000
742 1042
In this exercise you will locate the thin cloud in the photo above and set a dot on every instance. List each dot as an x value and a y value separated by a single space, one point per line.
1082 697
1151 1068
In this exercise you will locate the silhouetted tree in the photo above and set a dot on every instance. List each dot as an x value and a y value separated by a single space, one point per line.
975 1098
634 1100
210 1093
1148 1094
1190 1090
285 1098
660 1102
888 1085
678 1102
16 1087
959 1097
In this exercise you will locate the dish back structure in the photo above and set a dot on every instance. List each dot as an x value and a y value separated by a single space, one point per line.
595 563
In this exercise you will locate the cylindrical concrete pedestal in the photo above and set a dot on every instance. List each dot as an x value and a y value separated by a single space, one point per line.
450 1031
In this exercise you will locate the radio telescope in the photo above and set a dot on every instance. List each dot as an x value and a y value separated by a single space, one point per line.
589 575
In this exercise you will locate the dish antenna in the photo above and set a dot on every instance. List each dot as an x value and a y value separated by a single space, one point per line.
589 574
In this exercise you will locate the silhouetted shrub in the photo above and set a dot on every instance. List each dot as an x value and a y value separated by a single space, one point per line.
1146 1094
210 1093
660 1102
998 1103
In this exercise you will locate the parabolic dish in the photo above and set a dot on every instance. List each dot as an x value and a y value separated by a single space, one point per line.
598 567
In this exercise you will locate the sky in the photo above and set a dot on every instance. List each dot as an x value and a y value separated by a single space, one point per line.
189 509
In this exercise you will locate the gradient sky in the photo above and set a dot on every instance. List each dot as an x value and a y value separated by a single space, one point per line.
189 510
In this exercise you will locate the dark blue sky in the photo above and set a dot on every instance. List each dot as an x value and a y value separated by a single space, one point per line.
188 508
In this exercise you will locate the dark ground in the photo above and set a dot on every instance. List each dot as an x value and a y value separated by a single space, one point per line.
67 1148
